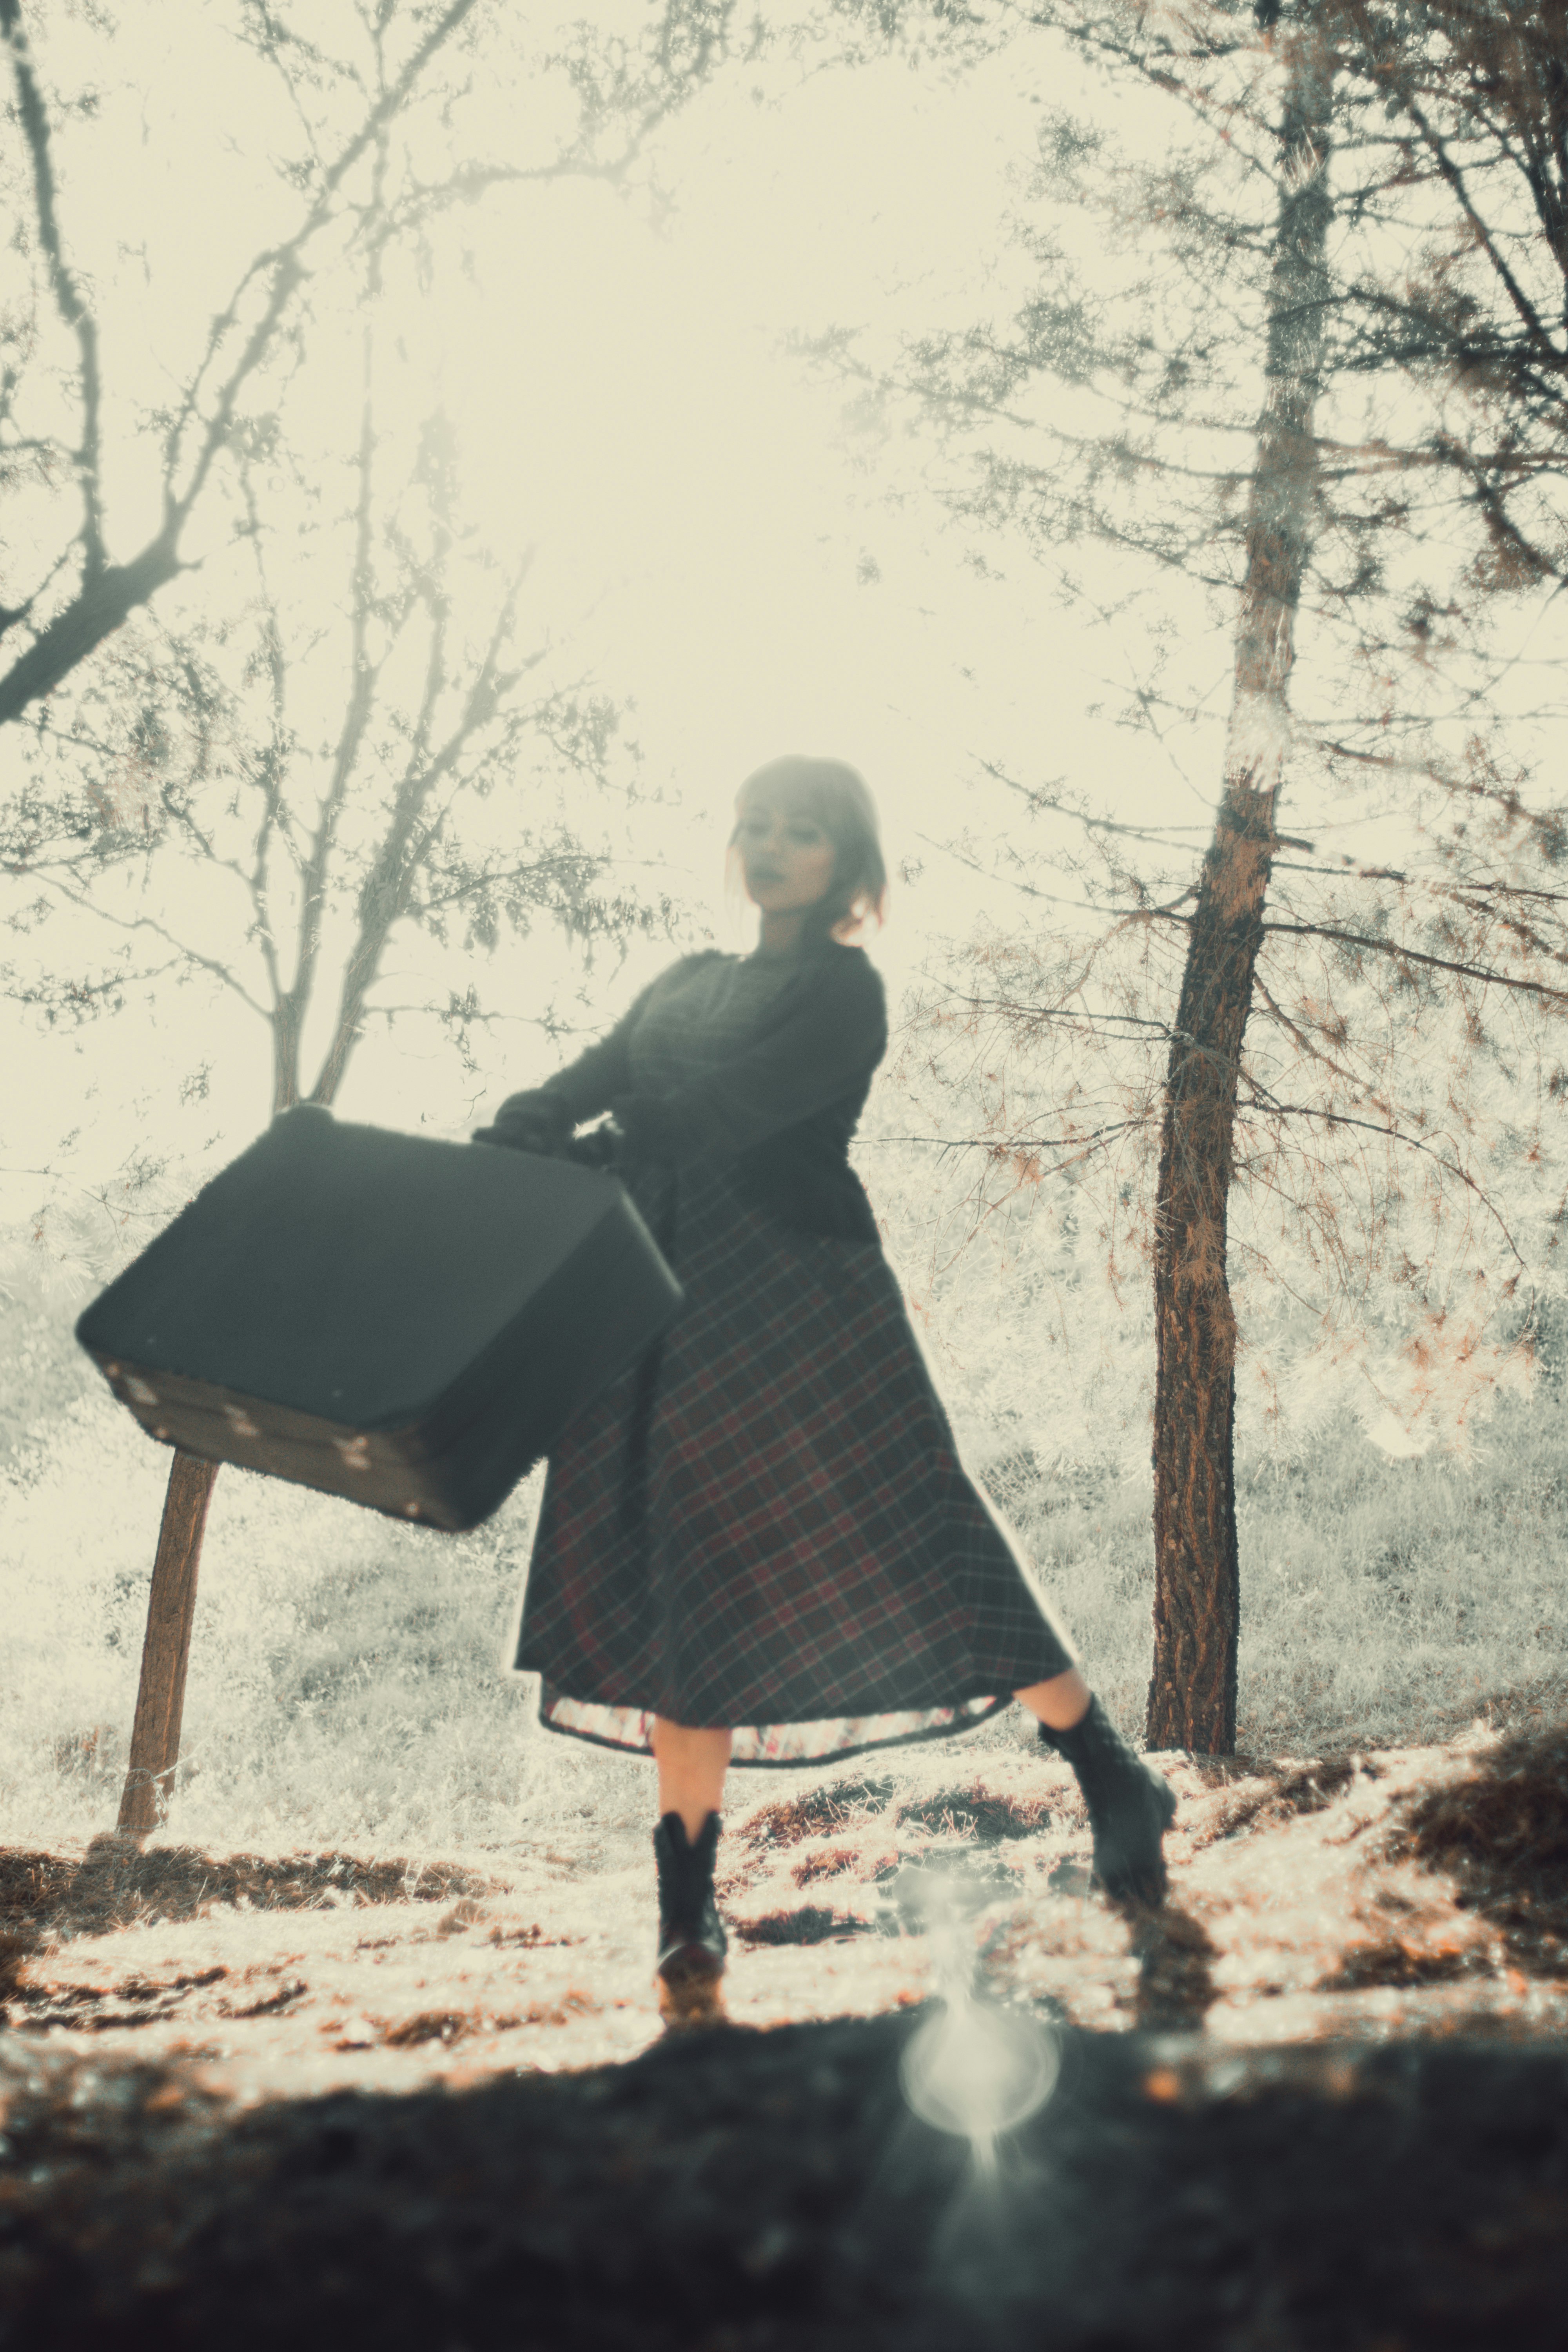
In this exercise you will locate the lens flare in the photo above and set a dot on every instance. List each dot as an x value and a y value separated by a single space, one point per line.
973 2069
976 2070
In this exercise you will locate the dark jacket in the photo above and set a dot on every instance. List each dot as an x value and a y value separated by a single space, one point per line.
778 1115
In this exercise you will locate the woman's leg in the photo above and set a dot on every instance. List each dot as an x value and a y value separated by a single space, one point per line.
1060 1703
691 1762
1130 1806
692 1768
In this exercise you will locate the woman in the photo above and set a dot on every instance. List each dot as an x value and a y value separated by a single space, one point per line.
759 1546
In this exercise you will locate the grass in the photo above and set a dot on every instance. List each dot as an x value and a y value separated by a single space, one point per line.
1385 1602
347 1680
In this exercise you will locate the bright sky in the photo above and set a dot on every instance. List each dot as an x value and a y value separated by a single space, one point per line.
711 542
718 541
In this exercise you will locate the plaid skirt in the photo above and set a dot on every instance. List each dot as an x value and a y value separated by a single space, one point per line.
764 1525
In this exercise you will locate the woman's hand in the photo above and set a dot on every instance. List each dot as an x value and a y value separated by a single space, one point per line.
535 1121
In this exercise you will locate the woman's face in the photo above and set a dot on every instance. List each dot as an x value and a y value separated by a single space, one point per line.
785 855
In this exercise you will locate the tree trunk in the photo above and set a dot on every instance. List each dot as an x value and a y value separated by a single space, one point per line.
100 607
1192 1692
165 1652
286 1015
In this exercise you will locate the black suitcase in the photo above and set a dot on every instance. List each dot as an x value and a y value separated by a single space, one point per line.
405 1322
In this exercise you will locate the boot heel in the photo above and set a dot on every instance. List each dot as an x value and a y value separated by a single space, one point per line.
691 1990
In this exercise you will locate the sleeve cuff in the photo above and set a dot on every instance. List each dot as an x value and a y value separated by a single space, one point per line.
537 1107
651 1132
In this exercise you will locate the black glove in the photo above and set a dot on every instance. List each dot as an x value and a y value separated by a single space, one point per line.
536 1122
649 1130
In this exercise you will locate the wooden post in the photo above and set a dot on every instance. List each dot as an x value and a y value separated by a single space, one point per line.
165 1652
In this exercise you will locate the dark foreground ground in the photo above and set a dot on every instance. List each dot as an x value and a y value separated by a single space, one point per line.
742 2191
1320 2100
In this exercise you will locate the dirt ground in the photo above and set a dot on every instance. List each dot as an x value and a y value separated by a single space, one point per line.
1320 2099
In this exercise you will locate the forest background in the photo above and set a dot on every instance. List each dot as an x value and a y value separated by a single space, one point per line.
640 411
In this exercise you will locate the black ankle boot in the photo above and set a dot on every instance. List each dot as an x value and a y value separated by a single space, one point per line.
1130 1806
691 1942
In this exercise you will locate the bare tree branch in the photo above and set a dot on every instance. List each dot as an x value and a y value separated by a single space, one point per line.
1400 954
291 1002
218 970
68 295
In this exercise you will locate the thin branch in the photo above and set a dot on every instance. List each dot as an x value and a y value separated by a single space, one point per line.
1437 148
1486 978
285 264
106 597
1090 1022
1049 899
274 818
1265 1103
577 861
385 892
1041 799
149 923
78 992
1077 1147
68 301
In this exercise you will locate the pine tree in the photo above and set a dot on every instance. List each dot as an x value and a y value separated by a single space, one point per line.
1326 397
1192 1695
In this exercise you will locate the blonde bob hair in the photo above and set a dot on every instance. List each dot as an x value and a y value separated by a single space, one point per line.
837 797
